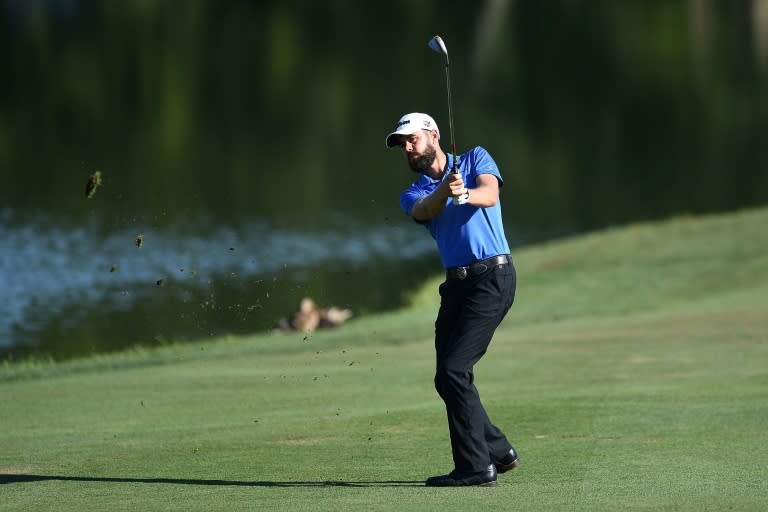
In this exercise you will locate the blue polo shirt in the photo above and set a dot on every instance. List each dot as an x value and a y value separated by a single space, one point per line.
464 233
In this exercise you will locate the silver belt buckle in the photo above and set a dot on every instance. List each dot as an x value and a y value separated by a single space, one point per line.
461 272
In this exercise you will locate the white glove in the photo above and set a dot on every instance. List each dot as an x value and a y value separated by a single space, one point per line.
462 199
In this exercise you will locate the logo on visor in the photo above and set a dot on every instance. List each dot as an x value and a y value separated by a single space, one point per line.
401 123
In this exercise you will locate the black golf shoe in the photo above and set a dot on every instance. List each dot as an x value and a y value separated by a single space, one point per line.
485 478
509 461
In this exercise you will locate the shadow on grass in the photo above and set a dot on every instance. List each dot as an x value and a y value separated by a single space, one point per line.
13 479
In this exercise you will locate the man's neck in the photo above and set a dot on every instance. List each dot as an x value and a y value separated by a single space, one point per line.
439 167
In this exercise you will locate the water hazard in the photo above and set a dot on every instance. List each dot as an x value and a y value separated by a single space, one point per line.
66 286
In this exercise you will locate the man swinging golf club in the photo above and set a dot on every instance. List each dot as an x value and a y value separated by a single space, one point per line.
456 198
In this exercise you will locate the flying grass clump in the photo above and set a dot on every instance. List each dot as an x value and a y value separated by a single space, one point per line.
93 183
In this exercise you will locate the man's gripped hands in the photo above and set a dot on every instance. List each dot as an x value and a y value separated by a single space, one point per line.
455 184
456 188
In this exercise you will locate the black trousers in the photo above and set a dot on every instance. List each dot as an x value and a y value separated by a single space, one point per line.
470 311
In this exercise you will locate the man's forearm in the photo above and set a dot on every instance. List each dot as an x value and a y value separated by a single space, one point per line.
483 197
429 206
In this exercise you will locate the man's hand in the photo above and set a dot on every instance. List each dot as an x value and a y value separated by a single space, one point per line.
456 188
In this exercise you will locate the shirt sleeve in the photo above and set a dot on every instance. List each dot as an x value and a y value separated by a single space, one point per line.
485 164
409 197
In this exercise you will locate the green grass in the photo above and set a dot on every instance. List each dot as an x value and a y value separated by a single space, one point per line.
631 374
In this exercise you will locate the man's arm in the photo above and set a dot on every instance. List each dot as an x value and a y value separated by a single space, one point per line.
486 191
431 205
485 194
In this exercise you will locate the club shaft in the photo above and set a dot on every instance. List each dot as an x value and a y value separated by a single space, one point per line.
450 114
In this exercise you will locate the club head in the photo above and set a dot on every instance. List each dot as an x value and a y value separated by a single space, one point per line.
437 44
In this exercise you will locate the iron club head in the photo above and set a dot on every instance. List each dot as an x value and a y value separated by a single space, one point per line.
437 44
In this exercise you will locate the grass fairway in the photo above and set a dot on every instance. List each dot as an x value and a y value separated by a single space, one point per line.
631 374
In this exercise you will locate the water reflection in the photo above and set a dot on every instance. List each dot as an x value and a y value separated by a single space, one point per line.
73 280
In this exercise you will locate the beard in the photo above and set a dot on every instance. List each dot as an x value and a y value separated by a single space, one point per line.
420 163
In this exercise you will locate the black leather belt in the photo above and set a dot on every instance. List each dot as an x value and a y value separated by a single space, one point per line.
477 268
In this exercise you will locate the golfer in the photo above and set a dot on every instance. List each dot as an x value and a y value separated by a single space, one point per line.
463 215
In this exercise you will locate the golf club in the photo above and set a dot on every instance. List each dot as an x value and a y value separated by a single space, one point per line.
437 44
